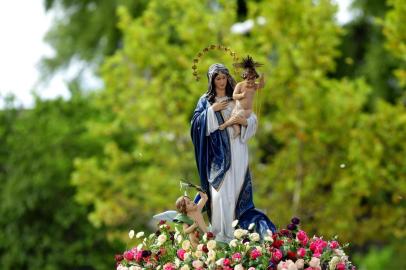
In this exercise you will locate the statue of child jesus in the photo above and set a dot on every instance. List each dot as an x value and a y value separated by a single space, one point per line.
191 216
244 93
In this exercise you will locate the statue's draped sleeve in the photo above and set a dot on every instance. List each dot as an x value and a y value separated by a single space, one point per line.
212 149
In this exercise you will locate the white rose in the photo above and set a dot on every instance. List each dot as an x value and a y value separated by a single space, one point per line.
197 264
186 245
211 255
139 235
233 243
211 245
185 267
238 267
238 233
161 239
314 262
268 238
291 265
333 263
299 264
139 247
131 234
177 262
219 262
251 226
198 254
339 252
234 223
254 237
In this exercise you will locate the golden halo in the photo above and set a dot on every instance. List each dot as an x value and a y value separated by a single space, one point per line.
219 47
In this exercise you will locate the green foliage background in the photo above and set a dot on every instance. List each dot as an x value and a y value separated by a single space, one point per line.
77 175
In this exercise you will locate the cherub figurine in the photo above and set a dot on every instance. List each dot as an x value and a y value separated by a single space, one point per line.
190 215
244 92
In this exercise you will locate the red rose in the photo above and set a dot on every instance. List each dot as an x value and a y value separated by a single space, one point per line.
277 243
210 235
291 255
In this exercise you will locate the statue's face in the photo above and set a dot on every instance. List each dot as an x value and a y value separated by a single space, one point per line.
220 82
190 205
251 77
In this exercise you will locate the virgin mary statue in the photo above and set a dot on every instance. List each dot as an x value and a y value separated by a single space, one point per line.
222 160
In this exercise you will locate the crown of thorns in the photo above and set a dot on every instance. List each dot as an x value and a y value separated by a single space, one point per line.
247 63
206 50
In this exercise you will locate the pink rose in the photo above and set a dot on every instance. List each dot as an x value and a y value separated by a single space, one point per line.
169 266
181 254
302 237
301 252
138 255
251 268
318 245
334 244
226 262
255 253
276 255
236 256
340 266
128 255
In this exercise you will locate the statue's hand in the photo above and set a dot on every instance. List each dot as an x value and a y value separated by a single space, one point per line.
218 106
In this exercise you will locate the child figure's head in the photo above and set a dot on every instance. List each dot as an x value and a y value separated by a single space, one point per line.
184 204
249 66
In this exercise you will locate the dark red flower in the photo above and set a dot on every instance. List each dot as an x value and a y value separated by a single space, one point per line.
162 222
118 257
277 243
295 220
291 255
291 227
205 249
210 235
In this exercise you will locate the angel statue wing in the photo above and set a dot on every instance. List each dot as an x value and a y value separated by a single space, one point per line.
167 215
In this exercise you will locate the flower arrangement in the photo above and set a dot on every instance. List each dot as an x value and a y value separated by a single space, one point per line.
287 249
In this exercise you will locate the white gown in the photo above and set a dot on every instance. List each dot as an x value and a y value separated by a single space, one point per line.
224 200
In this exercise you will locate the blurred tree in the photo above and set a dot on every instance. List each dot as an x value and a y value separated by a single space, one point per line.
84 31
42 227
87 31
395 32
363 53
316 120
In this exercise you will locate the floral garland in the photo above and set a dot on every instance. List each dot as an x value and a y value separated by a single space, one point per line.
206 50
288 249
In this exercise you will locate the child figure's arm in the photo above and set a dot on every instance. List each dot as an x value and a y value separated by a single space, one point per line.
189 229
261 82
202 201
237 92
